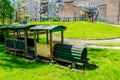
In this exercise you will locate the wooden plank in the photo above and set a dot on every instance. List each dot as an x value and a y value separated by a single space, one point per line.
80 64
31 57
47 36
42 59
9 38
51 45
9 47
14 41
62 67
5 37
59 59
20 50
9 51
35 43
62 37
37 36
20 40
76 70
26 47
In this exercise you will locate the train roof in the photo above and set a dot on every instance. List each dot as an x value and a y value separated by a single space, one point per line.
52 28
18 26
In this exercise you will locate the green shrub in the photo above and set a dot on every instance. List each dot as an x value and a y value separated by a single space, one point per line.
54 19
2 25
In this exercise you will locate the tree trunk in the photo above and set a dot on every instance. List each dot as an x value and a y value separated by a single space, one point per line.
3 21
3 17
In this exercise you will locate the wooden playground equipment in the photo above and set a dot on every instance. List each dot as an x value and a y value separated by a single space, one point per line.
24 40
1 35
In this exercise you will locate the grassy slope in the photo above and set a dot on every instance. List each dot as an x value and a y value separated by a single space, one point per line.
87 30
105 67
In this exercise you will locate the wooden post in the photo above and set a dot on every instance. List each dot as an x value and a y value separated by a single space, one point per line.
26 47
62 37
50 45
47 36
35 44
5 38
37 36
17 33
14 41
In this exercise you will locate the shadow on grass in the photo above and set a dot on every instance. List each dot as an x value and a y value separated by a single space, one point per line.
12 62
95 50
89 66
1 47
8 61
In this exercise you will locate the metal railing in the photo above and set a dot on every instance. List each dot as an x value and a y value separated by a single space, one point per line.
65 19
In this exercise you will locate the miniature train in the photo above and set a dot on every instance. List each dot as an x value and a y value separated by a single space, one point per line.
24 40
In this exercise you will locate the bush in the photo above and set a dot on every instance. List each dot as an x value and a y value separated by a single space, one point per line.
54 19
2 25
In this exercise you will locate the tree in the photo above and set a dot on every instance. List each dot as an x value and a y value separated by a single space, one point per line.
26 16
6 10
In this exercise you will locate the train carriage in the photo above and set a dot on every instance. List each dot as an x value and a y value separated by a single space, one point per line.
24 40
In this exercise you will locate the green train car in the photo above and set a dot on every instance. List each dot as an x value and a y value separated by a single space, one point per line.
24 40
1 34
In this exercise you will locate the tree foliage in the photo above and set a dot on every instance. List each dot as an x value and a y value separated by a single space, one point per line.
6 10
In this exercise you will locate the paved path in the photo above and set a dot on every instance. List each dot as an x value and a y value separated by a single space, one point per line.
83 42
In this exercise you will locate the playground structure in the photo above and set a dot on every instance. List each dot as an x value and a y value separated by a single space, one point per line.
1 35
23 40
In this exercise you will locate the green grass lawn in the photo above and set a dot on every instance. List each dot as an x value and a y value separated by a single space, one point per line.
105 65
87 30
106 44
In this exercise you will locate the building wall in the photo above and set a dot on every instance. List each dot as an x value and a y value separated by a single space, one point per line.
68 9
32 8
102 11
52 9
89 2
112 11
